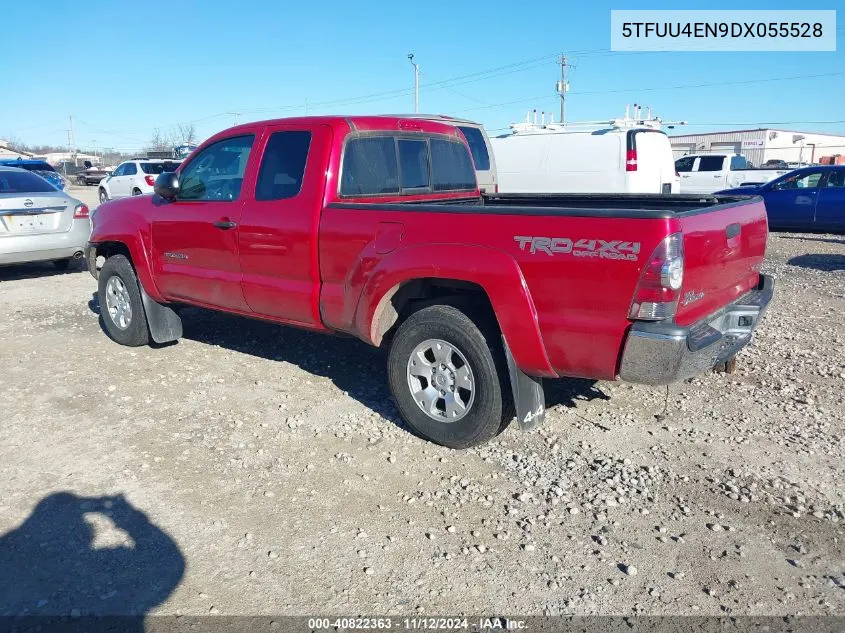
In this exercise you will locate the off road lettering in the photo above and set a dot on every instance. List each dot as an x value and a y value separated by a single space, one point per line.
605 249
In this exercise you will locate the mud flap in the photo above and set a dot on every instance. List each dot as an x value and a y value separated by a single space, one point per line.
165 325
528 396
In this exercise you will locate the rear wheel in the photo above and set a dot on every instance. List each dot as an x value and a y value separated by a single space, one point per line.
121 307
136 192
445 379
104 197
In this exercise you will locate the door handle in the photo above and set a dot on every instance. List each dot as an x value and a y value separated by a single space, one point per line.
225 224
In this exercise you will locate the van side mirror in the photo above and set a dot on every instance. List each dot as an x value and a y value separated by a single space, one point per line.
167 185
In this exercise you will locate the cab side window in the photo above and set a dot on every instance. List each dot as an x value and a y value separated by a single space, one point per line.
217 172
370 167
130 169
119 171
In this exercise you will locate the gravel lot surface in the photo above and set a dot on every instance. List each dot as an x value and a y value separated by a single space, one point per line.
265 471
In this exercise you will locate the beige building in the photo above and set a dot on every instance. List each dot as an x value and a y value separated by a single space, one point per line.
762 144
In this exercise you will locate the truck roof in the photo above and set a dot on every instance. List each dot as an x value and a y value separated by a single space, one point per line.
411 123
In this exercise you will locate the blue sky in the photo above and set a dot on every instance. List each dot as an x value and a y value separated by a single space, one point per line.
121 74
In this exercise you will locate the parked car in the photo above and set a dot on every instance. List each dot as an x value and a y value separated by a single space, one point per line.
706 173
92 176
38 222
40 167
609 160
134 177
374 227
808 199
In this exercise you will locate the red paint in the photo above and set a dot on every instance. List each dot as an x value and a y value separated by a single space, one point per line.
299 261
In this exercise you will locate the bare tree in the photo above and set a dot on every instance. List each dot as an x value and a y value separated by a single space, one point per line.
185 134
13 142
159 142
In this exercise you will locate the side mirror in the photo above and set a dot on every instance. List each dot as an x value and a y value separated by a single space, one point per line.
167 185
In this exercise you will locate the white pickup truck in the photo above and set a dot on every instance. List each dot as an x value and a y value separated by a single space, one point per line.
707 173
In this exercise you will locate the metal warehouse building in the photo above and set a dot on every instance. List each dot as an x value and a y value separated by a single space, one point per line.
762 144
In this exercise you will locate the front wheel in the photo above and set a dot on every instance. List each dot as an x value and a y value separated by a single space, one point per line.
104 197
444 378
121 307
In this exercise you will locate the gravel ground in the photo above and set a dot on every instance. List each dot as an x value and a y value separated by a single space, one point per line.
264 470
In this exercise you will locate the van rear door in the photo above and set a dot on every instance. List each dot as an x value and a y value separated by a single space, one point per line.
649 163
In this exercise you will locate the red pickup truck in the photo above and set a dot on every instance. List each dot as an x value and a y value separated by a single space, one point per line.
374 227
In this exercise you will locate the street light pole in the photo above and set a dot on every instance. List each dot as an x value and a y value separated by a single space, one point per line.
416 83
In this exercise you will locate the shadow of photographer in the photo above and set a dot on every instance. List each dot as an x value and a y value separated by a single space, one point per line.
87 556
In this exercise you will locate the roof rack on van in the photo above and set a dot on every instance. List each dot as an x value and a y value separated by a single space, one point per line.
532 125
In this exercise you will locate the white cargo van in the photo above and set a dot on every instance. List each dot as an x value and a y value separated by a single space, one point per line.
612 159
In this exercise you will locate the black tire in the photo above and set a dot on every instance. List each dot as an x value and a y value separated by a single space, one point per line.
136 192
491 403
61 264
136 332
104 197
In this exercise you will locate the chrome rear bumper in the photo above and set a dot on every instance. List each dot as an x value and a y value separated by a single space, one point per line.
662 353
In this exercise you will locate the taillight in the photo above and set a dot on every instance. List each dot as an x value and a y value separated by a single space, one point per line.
631 160
81 211
659 288
150 180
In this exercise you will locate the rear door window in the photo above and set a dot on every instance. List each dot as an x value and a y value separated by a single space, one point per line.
155 169
711 163
477 147
283 165
451 167
370 167
130 169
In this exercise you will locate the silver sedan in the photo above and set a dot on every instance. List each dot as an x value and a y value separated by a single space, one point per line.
38 222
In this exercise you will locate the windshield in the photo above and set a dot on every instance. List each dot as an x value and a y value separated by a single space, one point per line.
158 168
23 182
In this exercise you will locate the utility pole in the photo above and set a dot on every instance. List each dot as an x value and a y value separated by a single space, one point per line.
71 142
416 83
306 106
235 115
563 87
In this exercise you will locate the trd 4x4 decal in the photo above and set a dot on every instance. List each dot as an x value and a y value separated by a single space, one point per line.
605 249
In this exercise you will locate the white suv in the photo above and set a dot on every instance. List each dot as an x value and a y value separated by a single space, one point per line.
134 177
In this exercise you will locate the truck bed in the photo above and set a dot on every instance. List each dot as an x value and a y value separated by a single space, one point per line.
577 204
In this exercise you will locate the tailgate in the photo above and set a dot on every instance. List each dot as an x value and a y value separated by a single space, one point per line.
723 249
